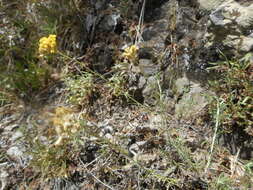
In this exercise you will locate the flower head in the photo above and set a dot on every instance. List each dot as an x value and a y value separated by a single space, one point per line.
47 45
130 53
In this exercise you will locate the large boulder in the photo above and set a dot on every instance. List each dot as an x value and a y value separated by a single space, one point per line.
230 26
210 4
191 99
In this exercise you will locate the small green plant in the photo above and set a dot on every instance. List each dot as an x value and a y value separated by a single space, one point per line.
24 75
30 79
51 161
223 183
4 98
235 89
249 168
247 181
80 89
53 158
116 85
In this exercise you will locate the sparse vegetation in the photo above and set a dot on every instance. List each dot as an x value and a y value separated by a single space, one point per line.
235 90
80 89
77 125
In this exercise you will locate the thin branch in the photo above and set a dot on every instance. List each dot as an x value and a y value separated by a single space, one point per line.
101 181
140 24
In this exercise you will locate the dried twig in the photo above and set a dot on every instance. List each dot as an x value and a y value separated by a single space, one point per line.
215 134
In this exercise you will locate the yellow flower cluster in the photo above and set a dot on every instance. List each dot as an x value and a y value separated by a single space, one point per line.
130 53
47 45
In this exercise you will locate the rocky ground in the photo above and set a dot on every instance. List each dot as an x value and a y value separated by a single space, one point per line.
102 120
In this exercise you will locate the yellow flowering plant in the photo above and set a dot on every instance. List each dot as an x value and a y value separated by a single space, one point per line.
47 45
130 53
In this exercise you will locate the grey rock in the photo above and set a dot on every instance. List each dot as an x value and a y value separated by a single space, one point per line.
217 18
156 42
243 15
147 67
193 100
108 136
150 89
241 43
16 136
91 124
231 41
210 4
100 4
90 21
146 158
107 129
156 122
186 58
136 147
40 122
14 152
181 85
142 82
231 10
111 138
231 23
43 140
102 59
109 22
93 139
145 53
246 44
148 34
